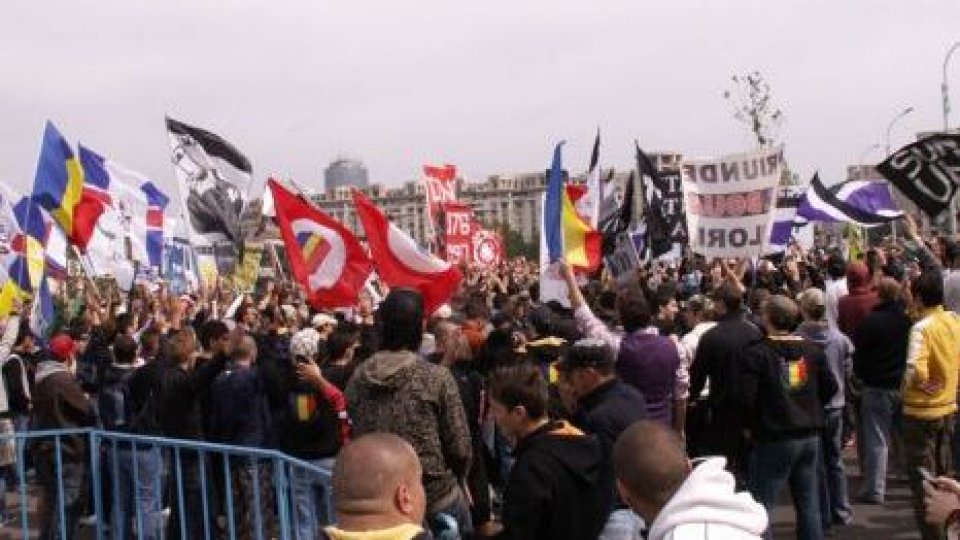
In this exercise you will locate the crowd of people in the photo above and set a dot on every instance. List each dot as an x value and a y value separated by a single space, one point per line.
682 404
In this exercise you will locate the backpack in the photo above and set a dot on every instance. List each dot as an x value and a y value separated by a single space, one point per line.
115 404
117 410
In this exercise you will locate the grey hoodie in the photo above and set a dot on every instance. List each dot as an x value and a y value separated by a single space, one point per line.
839 353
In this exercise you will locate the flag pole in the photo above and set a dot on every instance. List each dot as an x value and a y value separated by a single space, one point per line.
83 268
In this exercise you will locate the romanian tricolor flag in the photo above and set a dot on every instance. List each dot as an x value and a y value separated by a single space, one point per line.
796 374
581 242
568 234
59 187
305 406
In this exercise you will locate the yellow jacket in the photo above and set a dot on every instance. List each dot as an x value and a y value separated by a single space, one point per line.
933 358
400 532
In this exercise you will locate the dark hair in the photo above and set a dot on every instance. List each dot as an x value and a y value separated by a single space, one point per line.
665 293
23 332
475 309
928 287
873 260
585 354
150 342
211 331
541 320
781 311
520 385
634 310
340 342
836 266
124 349
123 323
401 320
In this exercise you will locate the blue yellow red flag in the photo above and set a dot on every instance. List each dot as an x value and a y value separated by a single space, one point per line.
58 184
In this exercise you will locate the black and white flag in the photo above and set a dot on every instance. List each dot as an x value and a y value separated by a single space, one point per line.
927 171
212 175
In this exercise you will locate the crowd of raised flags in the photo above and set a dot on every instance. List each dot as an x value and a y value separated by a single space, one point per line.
111 216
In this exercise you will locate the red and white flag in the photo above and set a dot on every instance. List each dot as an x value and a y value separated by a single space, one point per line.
400 262
440 185
325 257
458 218
487 246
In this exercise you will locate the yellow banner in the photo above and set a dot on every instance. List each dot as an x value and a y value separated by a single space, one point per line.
246 274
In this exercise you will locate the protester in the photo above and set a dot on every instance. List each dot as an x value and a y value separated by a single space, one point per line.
929 389
314 429
835 287
785 386
603 406
699 314
879 361
377 491
60 403
861 299
181 387
240 416
837 349
397 392
676 499
554 490
718 363
645 359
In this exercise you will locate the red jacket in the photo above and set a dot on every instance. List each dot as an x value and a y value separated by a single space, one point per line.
859 302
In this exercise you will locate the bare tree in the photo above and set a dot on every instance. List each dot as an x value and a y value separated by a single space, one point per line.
751 99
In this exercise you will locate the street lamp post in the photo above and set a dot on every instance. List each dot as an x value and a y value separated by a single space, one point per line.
945 89
896 118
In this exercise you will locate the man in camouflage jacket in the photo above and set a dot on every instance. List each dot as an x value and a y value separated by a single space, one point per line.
398 392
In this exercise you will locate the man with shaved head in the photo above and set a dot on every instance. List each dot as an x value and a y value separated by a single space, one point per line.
377 491
676 500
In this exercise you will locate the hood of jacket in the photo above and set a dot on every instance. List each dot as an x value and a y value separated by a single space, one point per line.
48 368
117 372
386 369
575 451
858 278
815 332
707 506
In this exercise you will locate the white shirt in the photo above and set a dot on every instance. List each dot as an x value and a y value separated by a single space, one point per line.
835 289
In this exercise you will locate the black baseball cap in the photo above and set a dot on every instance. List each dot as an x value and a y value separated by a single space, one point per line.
586 353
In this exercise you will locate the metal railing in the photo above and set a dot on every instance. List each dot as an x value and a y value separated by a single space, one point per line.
149 487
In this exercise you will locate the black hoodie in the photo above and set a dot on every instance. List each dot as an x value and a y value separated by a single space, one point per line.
784 385
554 492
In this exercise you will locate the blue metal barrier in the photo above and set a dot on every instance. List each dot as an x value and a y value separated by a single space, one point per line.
213 490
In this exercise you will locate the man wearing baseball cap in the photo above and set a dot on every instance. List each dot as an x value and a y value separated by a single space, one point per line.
60 403
603 406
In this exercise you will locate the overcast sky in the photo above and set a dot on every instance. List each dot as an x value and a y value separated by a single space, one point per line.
489 86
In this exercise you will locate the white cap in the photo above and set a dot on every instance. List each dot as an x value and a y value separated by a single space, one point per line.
321 319
444 312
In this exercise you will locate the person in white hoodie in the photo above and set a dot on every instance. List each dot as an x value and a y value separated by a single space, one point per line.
677 499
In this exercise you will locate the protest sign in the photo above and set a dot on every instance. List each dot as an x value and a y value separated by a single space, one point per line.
730 201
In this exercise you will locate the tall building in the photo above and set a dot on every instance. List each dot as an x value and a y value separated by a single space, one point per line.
344 172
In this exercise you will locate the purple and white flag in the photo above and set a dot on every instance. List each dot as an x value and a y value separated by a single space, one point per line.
865 203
